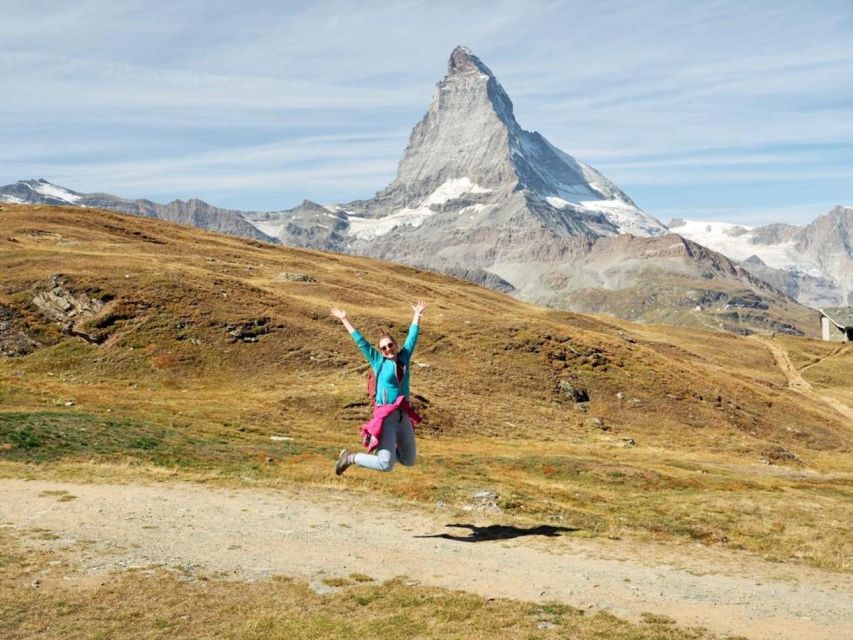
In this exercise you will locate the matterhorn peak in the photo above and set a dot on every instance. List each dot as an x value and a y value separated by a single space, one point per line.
467 75
469 151
462 60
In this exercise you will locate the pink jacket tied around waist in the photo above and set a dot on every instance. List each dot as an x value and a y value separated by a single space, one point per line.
371 430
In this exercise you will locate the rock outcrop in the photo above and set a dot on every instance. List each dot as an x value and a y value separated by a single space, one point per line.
69 310
14 340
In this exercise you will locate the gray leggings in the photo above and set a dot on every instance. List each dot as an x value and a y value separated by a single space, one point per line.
397 442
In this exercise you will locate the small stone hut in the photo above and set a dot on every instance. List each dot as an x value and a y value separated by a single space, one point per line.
836 324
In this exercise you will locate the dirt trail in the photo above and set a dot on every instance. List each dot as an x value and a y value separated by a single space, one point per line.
796 380
839 350
313 532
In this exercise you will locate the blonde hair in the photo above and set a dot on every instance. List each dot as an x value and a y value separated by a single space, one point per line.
384 335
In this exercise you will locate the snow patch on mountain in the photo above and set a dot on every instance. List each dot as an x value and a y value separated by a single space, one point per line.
50 190
625 217
453 189
273 228
369 228
732 240
736 242
475 208
557 203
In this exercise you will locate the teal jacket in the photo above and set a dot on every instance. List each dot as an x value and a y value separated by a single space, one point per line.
387 387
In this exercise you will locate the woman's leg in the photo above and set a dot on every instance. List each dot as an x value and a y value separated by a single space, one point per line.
385 457
406 449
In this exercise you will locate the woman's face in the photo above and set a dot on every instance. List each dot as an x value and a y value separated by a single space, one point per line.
388 348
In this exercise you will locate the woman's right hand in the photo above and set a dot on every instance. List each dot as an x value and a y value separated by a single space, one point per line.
340 314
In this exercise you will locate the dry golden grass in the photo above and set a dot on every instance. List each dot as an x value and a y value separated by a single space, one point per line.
689 417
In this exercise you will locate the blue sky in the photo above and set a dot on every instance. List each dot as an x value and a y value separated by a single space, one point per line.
737 111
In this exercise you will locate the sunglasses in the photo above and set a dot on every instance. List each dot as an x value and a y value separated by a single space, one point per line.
387 347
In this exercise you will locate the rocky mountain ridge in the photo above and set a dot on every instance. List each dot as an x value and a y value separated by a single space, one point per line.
193 212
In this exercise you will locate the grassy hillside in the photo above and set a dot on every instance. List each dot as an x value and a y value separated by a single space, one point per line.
212 357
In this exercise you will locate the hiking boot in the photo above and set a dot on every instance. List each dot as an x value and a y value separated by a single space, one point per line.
342 463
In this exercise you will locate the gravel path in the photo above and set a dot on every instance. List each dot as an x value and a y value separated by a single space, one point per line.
310 533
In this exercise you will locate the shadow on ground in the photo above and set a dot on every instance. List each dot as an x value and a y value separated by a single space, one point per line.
499 532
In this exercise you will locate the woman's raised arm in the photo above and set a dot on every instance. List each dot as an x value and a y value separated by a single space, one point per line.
372 355
414 329
419 308
341 315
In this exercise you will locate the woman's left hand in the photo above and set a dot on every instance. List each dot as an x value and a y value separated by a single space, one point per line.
420 307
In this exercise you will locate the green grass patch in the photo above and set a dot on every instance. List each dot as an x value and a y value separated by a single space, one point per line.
42 437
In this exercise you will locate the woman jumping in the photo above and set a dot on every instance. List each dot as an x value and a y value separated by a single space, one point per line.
391 428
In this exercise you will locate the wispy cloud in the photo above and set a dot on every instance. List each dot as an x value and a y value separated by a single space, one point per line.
273 101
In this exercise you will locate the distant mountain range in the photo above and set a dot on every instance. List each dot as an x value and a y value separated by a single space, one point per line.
194 212
812 264
479 197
